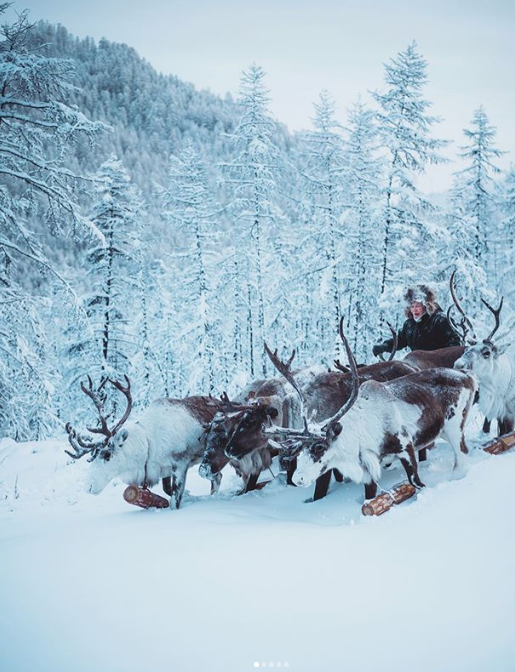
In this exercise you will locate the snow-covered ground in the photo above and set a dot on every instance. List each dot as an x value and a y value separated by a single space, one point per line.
91 583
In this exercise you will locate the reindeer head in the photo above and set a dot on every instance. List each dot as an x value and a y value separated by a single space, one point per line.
217 434
246 434
107 455
315 456
479 357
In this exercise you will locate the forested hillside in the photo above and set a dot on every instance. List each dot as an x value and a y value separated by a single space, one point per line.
153 230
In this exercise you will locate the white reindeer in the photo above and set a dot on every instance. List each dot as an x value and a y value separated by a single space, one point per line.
164 443
494 367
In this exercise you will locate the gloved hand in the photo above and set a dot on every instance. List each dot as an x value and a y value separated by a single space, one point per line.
378 349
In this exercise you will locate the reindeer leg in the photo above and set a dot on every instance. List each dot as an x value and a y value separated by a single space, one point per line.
178 485
215 484
338 476
422 454
252 482
167 485
290 471
370 490
509 424
322 486
411 467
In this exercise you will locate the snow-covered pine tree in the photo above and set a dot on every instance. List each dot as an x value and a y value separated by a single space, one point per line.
253 177
148 364
324 190
477 189
507 237
37 129
111 272
190 214
404 128
363 184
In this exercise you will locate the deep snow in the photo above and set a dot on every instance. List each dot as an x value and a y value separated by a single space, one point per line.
91 583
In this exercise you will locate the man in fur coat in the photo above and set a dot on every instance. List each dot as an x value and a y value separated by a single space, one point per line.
427 327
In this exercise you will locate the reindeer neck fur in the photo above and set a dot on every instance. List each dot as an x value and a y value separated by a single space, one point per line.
134 455
356 451
497 391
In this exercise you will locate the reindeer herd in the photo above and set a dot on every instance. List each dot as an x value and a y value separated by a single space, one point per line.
349 423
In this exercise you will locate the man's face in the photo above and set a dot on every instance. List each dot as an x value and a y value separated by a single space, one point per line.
417 309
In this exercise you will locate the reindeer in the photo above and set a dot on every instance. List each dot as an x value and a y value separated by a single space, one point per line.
167 439
495 370
259 403
397 417
324 394
214 459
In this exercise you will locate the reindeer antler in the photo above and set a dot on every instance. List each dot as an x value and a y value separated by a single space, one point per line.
355 383
126 391
82 446
461 328
497 318
465 319
228 406
395 342
284 368
341 367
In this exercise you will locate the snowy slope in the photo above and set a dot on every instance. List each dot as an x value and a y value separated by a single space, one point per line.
90 583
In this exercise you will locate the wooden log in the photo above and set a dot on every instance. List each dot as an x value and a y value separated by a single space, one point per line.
500 444
144 498
378 505
385 501
508 440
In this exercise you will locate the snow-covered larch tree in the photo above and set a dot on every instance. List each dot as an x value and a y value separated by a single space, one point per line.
363 183
253 177
477 187
190 214
324 181
37 129
405 132
111 272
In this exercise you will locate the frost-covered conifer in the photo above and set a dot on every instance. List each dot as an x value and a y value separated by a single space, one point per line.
364 234
324 181
507 237
476 185
37 128
404 128
190 214
253 178
111 272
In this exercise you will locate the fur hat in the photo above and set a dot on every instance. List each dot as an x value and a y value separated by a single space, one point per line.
424 295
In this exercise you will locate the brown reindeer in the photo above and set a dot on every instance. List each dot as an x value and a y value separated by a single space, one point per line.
214 459
379 420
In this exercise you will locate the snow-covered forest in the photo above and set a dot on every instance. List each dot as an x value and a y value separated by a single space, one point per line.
153 230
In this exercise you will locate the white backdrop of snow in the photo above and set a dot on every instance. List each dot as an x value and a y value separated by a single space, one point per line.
89 583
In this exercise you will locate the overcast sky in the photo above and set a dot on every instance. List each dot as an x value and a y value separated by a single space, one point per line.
306 46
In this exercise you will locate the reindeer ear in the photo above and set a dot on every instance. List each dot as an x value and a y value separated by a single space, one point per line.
124 434
500 349
271 411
